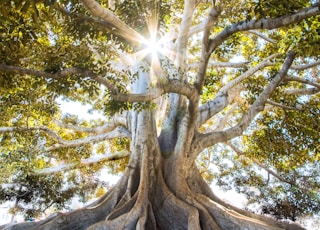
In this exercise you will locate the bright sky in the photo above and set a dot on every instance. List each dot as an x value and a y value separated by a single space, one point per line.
76 108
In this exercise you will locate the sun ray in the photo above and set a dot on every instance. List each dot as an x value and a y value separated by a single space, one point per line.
153 47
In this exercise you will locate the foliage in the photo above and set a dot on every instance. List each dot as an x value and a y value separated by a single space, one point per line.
275 163
286 143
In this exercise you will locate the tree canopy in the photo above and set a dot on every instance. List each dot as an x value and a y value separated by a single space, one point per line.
192 91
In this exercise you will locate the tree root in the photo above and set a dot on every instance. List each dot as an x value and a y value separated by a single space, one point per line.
142 200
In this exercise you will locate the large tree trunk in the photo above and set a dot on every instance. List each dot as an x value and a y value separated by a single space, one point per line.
161 187
156 192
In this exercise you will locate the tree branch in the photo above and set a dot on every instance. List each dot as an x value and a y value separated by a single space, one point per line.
84 162
207 24
223 97
257 162
305 81
194 66
261 35
50 132
282 106
209 139
266 23
59 74
115 24
303 67
265 63
182 40
118 132
170 86
308 91
205 55
114 122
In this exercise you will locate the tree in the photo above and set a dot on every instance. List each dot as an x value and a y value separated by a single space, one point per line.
176 80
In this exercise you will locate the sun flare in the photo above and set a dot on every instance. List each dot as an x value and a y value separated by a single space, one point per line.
153 46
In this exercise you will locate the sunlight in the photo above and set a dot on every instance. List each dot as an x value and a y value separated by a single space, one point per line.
153 46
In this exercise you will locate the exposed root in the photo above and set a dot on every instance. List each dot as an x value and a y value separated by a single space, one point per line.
143 200
173 213
132 212
230 213
230 219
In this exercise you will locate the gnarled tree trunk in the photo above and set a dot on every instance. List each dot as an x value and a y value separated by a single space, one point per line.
157 192
161 187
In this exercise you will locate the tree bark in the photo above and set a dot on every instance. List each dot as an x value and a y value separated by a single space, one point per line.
156 192
161 187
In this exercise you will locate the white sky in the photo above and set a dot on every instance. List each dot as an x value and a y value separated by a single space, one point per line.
76 108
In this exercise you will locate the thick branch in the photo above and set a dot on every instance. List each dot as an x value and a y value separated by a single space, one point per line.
114 22
209 139
204 25
181 87
142 97
193 108
250 72
114 122
59 74
266 23
205 55
223 97
182 40
118 132
84 162
170 86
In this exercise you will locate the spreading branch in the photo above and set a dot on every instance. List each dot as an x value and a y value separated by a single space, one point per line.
114 23
205 55
263 36
84 162
195 65
170 86
224 96
266 23
304 67
307 91
182 40
61 143
209 139
118 132
59 74
114 122
45 129
301 80
285 107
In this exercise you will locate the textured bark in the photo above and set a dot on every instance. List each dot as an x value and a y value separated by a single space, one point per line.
161 187
156 193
